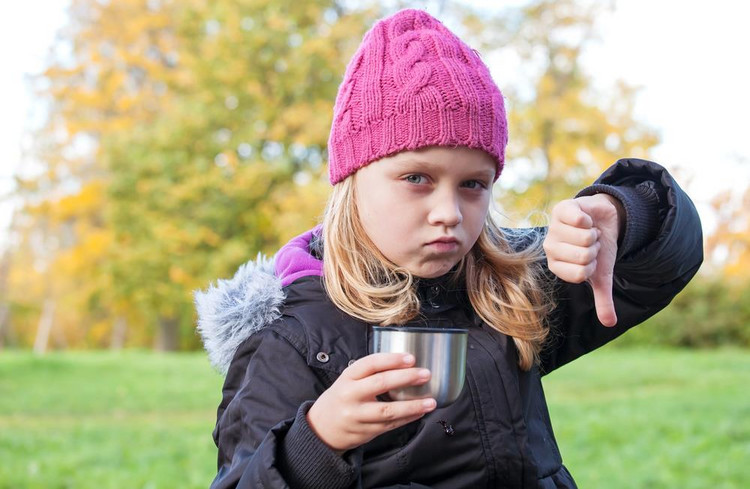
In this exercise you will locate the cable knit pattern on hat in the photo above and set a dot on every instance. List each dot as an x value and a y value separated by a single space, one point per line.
412 83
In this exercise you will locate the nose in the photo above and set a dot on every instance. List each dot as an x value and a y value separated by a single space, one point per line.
445 210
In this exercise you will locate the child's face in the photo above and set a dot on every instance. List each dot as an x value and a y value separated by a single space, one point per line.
424 209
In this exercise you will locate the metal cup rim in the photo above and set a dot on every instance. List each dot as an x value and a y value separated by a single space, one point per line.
421 329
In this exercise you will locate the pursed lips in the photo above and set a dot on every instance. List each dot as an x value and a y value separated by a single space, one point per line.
444 240
443 245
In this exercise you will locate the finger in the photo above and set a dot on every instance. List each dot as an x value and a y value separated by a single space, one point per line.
571 272
605 305
569 212
563 233
382 382
394 412
376 429
601 206
378 362
577 255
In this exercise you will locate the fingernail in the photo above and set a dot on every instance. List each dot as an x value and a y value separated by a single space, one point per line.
424 374
408 359
429 403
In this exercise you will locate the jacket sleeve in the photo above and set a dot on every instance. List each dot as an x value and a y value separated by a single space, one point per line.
262 433
659 252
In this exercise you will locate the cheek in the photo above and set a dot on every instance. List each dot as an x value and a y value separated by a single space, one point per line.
475 223
373 209
384 208
389 225
478 214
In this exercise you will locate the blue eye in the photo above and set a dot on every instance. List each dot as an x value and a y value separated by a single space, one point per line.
473 184
415 179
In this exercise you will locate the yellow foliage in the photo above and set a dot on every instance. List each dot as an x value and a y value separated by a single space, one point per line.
178 275
729 244
87 201
100 333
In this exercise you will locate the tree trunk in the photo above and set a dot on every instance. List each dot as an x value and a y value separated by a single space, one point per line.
59 339
119 330
4 303
45 327
168 336
4 315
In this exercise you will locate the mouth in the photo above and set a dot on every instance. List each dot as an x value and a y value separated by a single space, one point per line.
443 245
444 240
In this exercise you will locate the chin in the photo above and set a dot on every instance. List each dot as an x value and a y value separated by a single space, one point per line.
434 272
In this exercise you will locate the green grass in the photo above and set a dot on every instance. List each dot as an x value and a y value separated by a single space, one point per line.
654 419
107 420
623 418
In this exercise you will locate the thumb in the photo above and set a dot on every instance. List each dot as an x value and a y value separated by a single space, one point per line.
601 283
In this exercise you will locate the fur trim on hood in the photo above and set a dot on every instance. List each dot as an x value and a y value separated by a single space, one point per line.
232 310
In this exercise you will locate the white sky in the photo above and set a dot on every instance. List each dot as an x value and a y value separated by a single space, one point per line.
689 56
691 59
27 29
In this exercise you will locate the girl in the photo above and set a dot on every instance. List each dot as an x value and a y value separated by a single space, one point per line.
418 138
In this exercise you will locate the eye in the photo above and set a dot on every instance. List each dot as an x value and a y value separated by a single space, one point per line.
416 179
474 184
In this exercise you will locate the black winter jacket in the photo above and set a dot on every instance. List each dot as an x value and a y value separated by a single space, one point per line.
287 346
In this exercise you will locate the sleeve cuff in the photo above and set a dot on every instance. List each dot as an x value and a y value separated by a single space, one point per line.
310 463
641 204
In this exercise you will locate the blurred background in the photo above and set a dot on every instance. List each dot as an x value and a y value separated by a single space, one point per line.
150 147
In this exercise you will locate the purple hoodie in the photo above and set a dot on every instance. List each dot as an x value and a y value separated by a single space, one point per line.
294 260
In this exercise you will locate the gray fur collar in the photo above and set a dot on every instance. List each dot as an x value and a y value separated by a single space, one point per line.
232 310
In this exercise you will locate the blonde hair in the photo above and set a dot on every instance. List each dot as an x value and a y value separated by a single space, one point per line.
505 286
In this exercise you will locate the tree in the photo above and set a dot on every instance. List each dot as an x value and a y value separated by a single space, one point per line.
174 142
200 190
96 84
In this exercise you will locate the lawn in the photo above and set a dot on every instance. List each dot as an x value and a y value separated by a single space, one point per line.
654 419
624 418
131 420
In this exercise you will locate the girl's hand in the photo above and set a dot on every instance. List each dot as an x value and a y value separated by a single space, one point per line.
347 414
581 245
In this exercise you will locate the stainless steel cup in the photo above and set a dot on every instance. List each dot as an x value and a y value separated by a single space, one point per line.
441 350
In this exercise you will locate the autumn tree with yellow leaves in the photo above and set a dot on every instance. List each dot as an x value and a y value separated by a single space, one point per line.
184 137
180 138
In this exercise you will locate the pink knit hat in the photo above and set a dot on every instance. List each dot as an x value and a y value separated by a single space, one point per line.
412 83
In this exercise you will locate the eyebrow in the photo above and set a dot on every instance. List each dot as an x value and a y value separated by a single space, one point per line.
489 174
418 164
